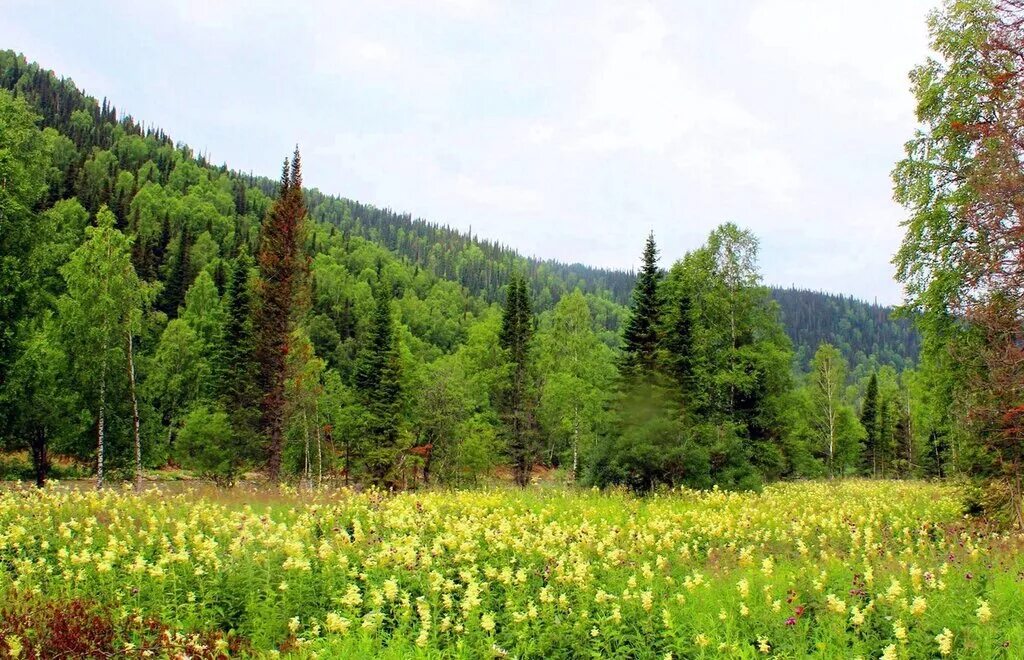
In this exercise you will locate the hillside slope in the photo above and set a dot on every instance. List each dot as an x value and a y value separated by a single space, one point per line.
480 265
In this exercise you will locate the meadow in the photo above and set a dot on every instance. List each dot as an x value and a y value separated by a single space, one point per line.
832 570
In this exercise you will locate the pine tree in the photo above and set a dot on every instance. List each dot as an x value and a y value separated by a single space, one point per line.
379 381
517 405
869 420
283 268
641 335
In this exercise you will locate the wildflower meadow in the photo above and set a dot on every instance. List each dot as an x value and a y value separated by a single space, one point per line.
846 569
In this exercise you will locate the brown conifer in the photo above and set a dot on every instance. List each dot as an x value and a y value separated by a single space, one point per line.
283 267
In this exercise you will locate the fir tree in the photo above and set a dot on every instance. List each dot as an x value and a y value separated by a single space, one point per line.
641 335
517 405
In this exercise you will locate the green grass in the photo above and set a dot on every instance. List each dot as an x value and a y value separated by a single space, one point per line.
831 570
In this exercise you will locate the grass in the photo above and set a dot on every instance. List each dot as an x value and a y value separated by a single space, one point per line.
832 570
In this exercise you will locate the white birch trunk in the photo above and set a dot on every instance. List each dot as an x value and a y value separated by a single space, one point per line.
305 469
99 425
135 414
319 453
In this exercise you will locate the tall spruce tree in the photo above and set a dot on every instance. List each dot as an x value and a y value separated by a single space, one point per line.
517 396
283 267
379 380
680 347
640 349
238 388
869 420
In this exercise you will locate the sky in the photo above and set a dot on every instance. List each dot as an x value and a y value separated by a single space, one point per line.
567 130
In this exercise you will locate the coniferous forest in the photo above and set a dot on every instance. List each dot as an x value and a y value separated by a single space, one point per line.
241 417
189 315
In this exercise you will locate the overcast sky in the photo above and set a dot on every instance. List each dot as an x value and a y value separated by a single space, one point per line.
567 129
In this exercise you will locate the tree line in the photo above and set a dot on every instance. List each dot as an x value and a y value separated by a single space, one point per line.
159 310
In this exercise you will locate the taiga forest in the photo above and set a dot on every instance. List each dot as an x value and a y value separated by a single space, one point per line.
244 416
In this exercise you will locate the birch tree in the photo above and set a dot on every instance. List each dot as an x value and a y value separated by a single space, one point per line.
832 418
100 313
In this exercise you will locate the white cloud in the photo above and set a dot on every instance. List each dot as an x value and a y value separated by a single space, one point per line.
642 96
856 54
770 172
496 196
565 129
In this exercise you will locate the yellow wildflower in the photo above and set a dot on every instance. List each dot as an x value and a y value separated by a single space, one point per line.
983 611
337 624
945 641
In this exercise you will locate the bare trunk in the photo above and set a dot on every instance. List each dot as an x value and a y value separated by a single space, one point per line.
348 459
319 454
831 420
40 461
99 424
575 442
135 414
910 438
306 479
732 331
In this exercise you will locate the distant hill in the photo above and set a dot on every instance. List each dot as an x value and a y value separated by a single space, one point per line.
480 265
857 328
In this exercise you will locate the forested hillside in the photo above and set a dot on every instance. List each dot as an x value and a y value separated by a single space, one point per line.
860 330
161 310
480 265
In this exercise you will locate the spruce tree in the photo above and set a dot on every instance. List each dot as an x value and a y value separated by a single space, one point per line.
517 405
238 389
869 420
679 343
379 380
173 294
283 267
640 338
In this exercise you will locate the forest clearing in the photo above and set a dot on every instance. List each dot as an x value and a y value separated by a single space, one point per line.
845 569
710 343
